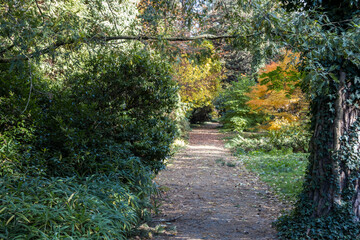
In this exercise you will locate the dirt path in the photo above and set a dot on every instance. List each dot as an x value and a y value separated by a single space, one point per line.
207 197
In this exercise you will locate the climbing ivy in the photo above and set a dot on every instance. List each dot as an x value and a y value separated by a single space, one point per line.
328 207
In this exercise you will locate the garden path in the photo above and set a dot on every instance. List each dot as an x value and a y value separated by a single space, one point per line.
206 194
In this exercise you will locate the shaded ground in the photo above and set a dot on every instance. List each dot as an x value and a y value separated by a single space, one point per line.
207 195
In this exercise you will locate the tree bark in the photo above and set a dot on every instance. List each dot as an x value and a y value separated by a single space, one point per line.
328 177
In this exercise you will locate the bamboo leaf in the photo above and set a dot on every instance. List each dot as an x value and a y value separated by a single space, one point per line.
11 218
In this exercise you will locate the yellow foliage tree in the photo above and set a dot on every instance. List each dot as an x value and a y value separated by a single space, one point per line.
199 82
278 95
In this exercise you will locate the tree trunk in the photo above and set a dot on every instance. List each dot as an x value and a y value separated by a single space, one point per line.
332 177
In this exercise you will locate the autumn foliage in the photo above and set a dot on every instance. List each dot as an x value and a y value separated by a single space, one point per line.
278 94
198 79
198 83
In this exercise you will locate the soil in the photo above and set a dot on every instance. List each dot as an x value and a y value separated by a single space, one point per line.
207 194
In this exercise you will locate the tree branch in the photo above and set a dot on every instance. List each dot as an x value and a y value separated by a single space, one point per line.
113 38
178 39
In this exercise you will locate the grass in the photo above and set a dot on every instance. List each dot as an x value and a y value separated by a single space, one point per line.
273 160
282 171
98 207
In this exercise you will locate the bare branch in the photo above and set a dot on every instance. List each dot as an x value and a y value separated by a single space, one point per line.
178 39
37 53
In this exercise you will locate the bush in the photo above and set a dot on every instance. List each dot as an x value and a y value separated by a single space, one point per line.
179 115
244 145
293 138
121 101
231 104
78 156
239 123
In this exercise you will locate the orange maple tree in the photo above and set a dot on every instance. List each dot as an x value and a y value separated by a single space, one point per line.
278 94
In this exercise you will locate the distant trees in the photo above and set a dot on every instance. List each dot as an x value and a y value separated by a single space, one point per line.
199 82
232 105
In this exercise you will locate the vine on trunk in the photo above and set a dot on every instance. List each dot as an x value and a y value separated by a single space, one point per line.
329 206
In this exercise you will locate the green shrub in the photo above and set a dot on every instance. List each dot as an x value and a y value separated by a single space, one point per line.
238 123
179 115
231 104
294 138
77 156
120 100
243 145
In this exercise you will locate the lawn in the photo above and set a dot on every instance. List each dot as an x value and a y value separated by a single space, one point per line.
282 171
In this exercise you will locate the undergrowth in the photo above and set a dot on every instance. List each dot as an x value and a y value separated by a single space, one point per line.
96 207
79 163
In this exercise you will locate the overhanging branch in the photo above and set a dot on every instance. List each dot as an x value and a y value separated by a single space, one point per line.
113 38
178 39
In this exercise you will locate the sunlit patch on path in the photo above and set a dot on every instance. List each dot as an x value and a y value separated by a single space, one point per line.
208 195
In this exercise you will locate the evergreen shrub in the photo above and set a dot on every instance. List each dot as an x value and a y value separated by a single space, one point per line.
231 104
294 138
78 156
